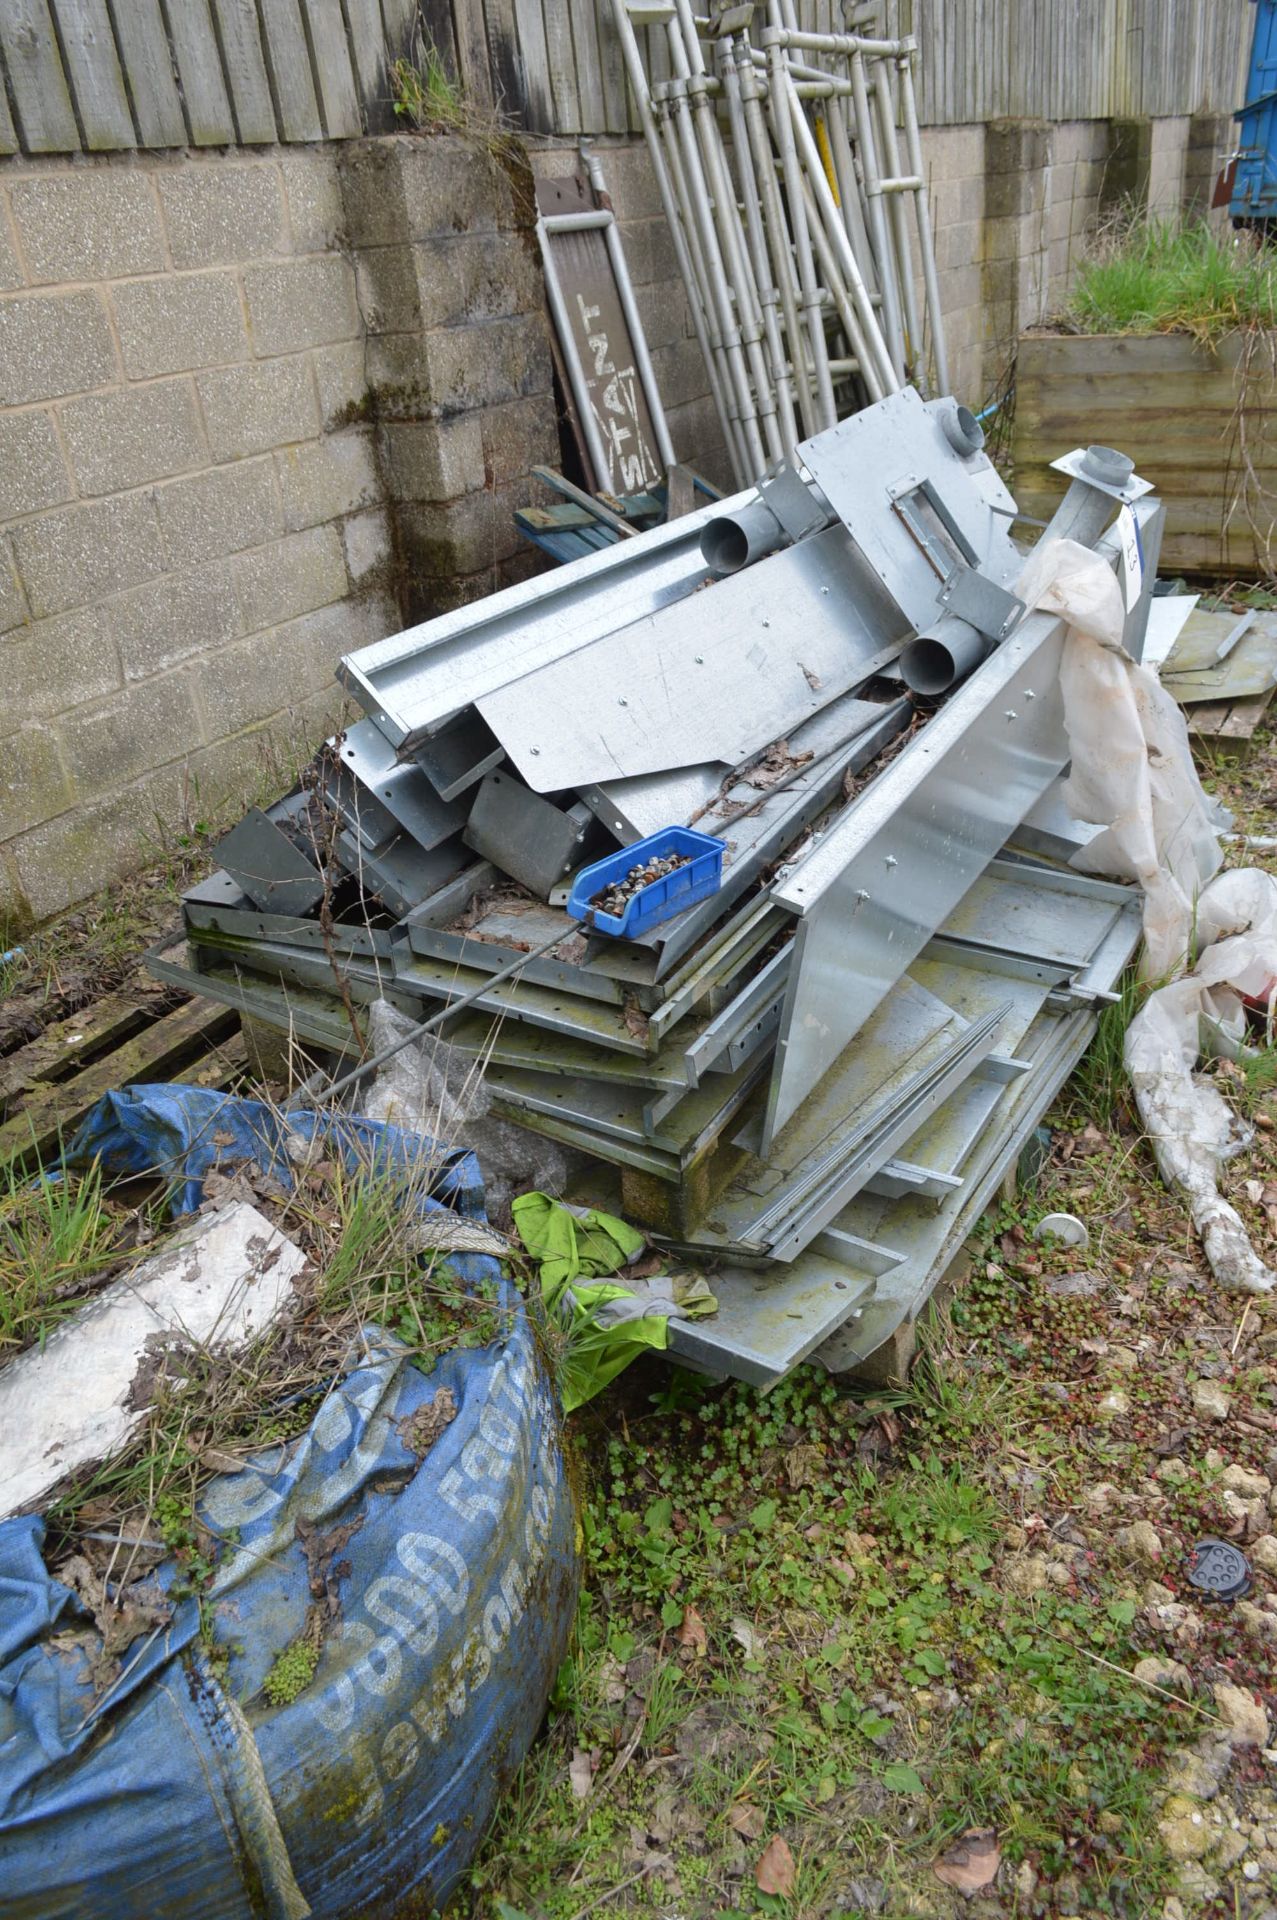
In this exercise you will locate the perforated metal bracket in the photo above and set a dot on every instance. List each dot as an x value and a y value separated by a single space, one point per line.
984 605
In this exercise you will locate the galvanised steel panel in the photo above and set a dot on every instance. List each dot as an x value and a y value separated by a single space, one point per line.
894 866
412 682
714 680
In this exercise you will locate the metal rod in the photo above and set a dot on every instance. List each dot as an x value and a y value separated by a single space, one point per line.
783 133
867 146
467 999
913 147
727 219
638 82
680 120
575 371
885 101
776 229
768 292
879 374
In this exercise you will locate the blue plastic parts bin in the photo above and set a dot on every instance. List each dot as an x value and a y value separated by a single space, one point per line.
661 900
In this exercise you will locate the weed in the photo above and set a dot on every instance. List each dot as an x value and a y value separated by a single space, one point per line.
55 1234
1100 1088
1150 274
423 91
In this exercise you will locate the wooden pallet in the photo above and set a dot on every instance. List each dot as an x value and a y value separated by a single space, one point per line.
48 1086
1229 725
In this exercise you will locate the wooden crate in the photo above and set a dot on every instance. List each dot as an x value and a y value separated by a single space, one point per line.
1200 423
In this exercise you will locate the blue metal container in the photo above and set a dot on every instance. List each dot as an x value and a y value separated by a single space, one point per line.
1254 191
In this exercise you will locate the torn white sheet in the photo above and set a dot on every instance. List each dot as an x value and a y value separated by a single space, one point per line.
78 1399
1190 1125
1132 771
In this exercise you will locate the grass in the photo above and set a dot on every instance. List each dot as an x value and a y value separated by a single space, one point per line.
1164 275
209 1406
423 91
56 1235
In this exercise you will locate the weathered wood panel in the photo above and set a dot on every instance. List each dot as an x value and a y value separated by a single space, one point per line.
205 100
292 83
41 97
148 64
240 42
334 70
119 73
1200 424
368 53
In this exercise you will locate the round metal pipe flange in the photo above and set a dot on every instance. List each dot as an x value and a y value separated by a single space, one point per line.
1106 464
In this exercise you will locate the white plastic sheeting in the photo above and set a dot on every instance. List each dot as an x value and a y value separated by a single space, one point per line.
1132 774
1191 1126
1132 770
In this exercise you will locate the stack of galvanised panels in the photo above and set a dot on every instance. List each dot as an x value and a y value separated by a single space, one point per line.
813 1079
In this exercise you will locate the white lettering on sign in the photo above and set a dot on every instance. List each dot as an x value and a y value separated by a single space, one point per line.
615 402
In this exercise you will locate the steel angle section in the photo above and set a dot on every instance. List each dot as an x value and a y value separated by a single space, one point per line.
493 952
527 837
634 808
794 1222
736 1033
586 1139
1056 918
366 978
713 970
266 865
769 1322
590 1022
359 810
565 1013
400 872
514 1043
762 651
695 1124
289 1008
398 786
246 926
906 1044
930 1240
458 756
413 682
892 868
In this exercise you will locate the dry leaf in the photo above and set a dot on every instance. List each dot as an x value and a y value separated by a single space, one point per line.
775 1870
746 1636
972 1862
748 1820
691 1632
581 1774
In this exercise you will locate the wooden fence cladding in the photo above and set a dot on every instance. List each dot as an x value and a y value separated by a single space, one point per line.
1200 424
110 74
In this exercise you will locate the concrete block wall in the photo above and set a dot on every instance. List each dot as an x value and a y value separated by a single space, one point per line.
181 508
254 412
1014 203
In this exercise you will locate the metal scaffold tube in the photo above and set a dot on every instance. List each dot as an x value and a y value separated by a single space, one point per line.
673 215
785 159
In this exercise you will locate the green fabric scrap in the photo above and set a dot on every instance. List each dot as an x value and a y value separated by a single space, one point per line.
574 1250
